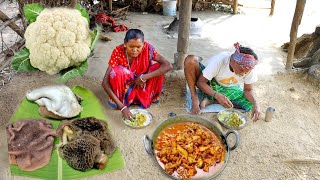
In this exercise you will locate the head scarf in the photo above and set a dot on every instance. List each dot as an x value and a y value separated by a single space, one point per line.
246 61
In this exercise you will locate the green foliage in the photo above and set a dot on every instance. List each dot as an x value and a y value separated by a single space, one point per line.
21 61
73 72
32 11
83 12
94 38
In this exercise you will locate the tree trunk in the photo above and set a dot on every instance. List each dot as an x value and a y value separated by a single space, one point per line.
184 31
72 4
293 33
273 2
235 6
110 5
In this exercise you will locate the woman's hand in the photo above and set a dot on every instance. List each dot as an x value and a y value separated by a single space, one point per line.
223 100
255 113
126 113
139 81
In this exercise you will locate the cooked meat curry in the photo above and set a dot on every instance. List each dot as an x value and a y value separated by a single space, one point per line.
188 147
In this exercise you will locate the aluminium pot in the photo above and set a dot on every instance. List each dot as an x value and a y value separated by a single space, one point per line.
149 144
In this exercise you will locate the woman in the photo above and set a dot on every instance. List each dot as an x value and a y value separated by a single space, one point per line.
135 74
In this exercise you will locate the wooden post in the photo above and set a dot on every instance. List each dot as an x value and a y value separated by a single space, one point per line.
110 5
72 4
235 6
272 7
184 31
293 33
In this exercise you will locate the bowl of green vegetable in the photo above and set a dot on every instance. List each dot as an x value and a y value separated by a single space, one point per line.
232 119
141 118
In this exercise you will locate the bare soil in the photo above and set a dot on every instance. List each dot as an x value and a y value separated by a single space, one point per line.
285 148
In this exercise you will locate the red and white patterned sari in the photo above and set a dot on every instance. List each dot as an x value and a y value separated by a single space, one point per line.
122 75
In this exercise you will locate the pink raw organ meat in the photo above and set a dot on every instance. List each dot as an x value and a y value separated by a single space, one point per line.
30 143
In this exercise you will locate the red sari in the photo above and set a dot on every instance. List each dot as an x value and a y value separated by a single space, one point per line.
122 75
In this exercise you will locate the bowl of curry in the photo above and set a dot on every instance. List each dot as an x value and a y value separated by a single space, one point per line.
189 147
141 118
232 119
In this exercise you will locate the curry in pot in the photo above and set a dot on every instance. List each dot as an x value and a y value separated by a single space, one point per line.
188 150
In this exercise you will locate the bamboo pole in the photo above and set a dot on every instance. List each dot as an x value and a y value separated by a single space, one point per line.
4 18
272 7
293 33
5 24
184 31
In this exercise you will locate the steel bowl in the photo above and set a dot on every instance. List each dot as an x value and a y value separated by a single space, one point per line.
142 111
223 118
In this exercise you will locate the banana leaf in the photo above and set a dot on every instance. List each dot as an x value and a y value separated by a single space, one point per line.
58 169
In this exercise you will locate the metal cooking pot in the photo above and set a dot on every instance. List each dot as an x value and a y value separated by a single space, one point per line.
149 144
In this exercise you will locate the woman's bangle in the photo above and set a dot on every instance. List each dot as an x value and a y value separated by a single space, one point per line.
142 79
123 108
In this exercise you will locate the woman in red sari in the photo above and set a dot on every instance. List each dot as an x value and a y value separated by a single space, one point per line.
135 74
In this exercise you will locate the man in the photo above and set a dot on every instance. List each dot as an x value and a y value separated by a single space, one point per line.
221 80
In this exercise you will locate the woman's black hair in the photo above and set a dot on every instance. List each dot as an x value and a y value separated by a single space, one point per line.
134 34
246 50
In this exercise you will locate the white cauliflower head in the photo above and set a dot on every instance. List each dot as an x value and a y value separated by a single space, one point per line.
58 39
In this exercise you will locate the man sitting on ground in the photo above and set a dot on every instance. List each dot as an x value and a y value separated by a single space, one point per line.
226 79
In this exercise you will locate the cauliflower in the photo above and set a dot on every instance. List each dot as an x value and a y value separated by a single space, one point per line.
58 39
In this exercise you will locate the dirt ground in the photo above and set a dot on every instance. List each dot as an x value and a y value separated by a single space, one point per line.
285 148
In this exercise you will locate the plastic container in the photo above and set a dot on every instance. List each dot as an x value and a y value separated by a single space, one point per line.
169 7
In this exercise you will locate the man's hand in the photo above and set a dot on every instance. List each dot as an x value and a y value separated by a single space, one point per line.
223 100
255 113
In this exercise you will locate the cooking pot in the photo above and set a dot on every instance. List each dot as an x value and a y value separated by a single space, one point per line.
149 144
